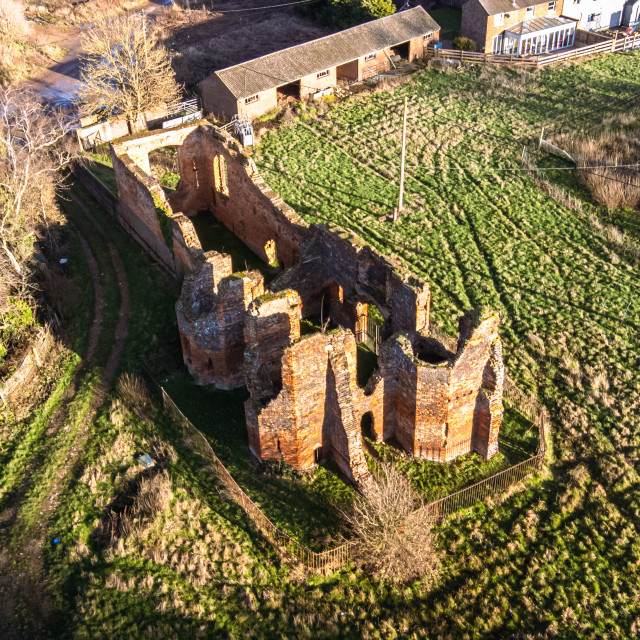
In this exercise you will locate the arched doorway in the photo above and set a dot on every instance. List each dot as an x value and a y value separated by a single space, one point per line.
367 426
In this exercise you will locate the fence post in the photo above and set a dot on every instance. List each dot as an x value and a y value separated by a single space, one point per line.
613 42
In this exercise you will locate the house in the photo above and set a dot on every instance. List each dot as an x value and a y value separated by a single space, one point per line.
308 69
631 13
518 27
593 15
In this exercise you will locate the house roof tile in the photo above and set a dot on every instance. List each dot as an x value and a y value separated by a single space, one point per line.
287 65
493 7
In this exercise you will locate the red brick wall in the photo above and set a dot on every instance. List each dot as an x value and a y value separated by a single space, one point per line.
211 318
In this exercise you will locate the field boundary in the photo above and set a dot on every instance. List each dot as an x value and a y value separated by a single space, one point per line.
615 45
33 361
337 558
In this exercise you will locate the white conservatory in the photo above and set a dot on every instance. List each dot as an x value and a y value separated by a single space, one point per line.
539 35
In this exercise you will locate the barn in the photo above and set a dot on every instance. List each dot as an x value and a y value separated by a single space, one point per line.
307 70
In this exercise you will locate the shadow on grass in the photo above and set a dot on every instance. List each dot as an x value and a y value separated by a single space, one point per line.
306 505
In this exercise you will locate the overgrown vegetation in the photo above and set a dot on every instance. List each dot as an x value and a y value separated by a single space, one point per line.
393 532
33 148
347 13
161 553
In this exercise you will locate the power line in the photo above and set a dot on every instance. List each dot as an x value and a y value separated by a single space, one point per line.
275 6
536 169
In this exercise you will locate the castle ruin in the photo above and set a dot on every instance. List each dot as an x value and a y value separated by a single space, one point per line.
236 329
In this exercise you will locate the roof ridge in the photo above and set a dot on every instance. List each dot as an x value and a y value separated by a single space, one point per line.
419 8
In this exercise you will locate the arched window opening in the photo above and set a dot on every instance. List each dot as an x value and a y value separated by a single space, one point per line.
366 426
220 176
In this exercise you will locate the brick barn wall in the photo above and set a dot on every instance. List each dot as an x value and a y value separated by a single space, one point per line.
267 100
311 83
216 97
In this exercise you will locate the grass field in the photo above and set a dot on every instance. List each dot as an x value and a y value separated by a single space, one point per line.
558 559
482 231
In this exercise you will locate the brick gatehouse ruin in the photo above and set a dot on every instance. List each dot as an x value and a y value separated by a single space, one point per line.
291 333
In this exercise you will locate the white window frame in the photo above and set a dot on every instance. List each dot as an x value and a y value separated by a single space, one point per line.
370 56
498 20
530 13
252 99
428 36
496 44
323 74
551 7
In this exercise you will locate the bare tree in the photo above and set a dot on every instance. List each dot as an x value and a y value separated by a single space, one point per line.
33 147
392 531
126 70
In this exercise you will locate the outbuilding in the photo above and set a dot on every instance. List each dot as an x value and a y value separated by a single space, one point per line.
309 69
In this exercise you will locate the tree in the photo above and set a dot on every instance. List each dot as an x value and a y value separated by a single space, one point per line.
347 13
126 71
393 533
33 147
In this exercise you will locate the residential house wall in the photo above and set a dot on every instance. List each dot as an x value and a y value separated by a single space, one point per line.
593 15
482 28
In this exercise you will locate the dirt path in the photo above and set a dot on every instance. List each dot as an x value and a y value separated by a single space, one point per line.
23 580
59 83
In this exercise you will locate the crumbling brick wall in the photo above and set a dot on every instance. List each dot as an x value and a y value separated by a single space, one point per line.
305 402
211 317
439 405
337 268
314 416
217 175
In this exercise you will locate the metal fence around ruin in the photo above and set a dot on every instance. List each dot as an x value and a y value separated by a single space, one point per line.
318 562
369 333
331 560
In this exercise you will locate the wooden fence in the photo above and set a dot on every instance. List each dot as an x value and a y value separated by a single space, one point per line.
331 560
628 43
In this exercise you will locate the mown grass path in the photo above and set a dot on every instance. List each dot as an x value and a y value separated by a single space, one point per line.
25 518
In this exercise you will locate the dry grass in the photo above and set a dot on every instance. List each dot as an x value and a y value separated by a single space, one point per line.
83 10
204 41
135 394
13 25
596 159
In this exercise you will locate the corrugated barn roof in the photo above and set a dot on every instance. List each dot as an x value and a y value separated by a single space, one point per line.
287 65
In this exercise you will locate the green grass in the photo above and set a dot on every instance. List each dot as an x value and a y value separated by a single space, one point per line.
449 20
481 231
558 559
304 505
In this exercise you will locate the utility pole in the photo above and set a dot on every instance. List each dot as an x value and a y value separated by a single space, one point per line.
396 213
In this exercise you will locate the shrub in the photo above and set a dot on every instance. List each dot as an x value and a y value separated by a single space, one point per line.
392 531
13 25
347 13
135 394
464 44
